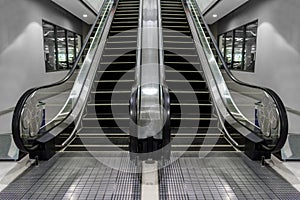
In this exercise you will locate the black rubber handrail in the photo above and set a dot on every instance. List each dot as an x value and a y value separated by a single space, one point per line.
167 116
133 148
279 104
22 101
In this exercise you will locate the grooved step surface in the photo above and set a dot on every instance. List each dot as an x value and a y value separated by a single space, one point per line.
193 119
106 114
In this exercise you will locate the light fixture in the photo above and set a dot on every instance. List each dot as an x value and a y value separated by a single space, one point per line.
85 15
150 91
215 15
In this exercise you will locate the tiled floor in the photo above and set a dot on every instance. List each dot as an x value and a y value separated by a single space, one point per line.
108 176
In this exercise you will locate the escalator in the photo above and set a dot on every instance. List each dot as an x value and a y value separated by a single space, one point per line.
203 113
106 121
194 123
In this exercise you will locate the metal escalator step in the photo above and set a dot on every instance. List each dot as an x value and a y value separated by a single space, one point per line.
114 81
182 71
126 14
116 71
183 118
174 18
173 14
102 133
202 148
123 23
103 148
97 140
111 92
125 26
181 63
117 63
106 130
128 3
179 44
177 28
206 140
96 148
185 81
189 92
129 11
121 19
109 104
194 130
106 110
189 135
113 40
103 115
111 122
128 7
173 10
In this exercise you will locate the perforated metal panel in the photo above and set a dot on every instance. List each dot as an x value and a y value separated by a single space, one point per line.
216 176
223 176
78 176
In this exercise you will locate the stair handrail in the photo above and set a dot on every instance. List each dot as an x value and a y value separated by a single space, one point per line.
276 99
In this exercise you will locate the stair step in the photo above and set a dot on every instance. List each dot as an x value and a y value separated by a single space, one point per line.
101 140
202 148
106 130
111 122
91 148
199 141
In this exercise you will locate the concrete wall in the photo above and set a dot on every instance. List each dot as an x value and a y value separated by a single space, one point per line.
22 48
95 4
278 48
205 4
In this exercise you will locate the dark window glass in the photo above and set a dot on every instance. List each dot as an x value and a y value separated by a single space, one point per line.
78 46
78 43
250 47
222 48
222 43
238 48
61 49
71 48
228 48
49 46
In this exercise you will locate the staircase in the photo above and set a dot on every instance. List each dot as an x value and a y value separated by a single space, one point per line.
106 121
194 125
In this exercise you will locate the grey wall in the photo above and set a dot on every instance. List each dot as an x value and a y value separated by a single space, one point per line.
22 48
278 47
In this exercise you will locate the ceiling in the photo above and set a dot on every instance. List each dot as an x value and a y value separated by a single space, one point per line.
77 8
222 8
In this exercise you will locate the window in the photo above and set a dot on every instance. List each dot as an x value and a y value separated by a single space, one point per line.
228 47
239 47
60 47
71 47
250 46
238 60
221 42
49 47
